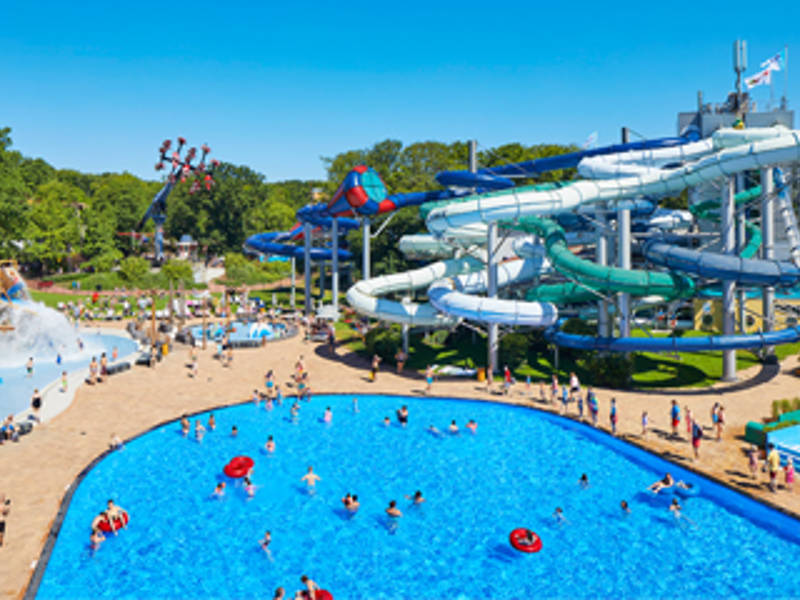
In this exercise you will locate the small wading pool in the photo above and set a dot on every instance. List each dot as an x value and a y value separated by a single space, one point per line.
240 331
514 472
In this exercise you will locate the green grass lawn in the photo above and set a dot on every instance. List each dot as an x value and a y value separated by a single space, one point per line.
652 370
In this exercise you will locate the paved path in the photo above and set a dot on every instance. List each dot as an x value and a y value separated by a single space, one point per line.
36 471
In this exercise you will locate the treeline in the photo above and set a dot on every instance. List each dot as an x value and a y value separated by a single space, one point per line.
54 219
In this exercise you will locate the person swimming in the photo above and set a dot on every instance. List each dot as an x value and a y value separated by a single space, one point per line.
435 430
311 479
264 543
199 430
185 425
472 426
295 411
584 481
270 445
666 482
219 490
234 431
249 488
558 515
328 416
402 416
212 422
393 511
387 422
626 510
417 497
453 428
355 405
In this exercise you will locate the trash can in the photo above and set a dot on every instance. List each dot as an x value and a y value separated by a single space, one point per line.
481 374
164 349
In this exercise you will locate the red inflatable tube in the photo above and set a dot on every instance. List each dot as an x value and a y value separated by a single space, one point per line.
323 595
105 526
238 466
518 540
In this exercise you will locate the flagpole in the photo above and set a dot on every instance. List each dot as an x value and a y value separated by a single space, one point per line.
785 75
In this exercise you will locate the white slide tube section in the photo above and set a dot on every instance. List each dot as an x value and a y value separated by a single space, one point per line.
513 205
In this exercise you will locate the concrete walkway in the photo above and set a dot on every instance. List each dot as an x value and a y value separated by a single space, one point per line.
37 470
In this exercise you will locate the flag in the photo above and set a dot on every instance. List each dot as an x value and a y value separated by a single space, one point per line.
761 78
773 63
590 141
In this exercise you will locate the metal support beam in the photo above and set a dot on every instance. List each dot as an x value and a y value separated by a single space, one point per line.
491 276
321 281
727 214
601 258
406 331
365 230
741 242
768 253
335 265
307 266
624 257
293 298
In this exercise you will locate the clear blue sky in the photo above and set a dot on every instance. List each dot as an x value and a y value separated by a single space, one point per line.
98 86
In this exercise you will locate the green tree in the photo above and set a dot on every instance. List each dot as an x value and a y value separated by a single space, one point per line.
176 270
133 269
53 229
13 208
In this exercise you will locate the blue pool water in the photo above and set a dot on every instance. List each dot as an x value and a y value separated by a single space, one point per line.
514 472
240 331
17 388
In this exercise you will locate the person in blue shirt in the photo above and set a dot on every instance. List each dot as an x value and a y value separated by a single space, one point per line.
675 414
613 416
593 409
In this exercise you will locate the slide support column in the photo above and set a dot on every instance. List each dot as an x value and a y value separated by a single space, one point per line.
491 243
601 258
293 298
307 266
741 242
727 208
365 231
768 253
624 256
335 265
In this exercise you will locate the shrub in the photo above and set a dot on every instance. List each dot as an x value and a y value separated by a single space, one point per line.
133 269
384 341
608 370
513 349
103 262
786 405
780 425
242 271
177 271
776 409
796 403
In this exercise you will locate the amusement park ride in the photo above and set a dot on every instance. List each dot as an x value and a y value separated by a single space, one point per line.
181 169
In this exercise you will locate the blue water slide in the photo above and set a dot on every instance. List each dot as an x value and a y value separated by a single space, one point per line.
673 344
498 177
281 242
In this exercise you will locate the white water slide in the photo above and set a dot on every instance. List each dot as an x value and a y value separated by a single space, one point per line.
617 176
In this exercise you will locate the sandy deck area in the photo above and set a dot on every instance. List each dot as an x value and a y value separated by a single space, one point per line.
37 470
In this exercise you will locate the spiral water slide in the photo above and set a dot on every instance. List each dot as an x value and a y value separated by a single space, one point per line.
451 292
648 173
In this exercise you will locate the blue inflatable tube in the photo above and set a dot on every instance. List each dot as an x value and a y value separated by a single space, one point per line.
494 177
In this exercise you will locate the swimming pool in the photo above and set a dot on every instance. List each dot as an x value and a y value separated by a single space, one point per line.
519 466
16 388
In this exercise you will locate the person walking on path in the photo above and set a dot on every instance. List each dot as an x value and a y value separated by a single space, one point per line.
612 415
788 471
697 435
675 416
645 420
376 361
773 465
720 422
593 408
506 380
752 461
554 389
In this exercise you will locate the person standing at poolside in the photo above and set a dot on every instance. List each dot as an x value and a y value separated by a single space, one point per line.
400 357
5 510
310 479
645 422
29 367
720 422
752 460
542 393
564 399
612 416
697 435
580 403
574 384
64 382
594 409
788 471
688 412
554 389
376 361
773 465
675 417
506 380
428 379
36 406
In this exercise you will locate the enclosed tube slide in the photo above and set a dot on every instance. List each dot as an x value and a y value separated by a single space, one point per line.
468 275
512 205
497 178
